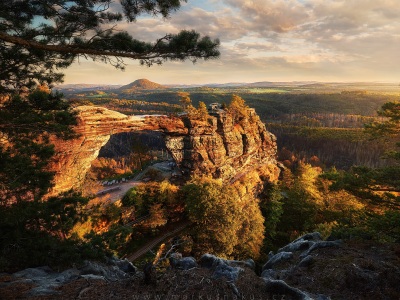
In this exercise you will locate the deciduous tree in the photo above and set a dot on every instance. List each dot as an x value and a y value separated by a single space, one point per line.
224 224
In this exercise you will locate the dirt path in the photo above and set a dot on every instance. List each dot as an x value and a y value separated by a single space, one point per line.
118 193
151 244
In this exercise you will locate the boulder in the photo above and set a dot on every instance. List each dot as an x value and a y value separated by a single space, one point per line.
46 281
296 246
210 261
185 263
93 277
314 236
221 267
277 258
227 271
318 245
282 288
123 264
306 262
111 273
36 273
269 274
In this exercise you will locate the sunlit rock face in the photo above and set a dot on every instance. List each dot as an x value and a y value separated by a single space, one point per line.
217 147
224 149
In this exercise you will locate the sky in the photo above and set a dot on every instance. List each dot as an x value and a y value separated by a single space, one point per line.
270 40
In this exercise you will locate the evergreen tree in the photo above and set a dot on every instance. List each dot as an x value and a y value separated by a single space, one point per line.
389 128
202 111
186 102
37 38
29 224
26 124
378 188
238 108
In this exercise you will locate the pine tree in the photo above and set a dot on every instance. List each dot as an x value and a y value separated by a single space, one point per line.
390 128
202 111
238 108
38 38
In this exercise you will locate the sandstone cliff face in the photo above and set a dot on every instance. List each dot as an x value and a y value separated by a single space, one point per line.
224 148
219 146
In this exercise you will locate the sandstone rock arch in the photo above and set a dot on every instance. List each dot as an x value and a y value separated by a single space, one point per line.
217 146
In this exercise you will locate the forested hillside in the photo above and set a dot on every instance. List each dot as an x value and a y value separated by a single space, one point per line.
309 120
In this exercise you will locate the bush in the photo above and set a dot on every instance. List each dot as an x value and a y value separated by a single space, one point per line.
382 228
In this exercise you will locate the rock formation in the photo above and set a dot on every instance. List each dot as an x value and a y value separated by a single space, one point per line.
218 146
95 126
333 270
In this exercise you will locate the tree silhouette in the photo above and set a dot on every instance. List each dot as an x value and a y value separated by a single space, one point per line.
37 38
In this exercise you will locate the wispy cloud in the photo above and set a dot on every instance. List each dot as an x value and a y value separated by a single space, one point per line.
269 39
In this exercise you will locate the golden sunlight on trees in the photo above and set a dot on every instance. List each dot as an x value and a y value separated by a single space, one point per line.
202 111
251 232
224 224
389 128
238 107
185 100
158 200
37 40
307 178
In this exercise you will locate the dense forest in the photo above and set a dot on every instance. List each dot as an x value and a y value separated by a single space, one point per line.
323 123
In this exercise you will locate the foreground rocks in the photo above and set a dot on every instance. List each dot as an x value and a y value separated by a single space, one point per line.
44 281
307 268
310 268
280 265
209 278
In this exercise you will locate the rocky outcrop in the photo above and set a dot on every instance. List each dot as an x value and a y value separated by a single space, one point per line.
347 270
225 148
45 281
281 265
219 146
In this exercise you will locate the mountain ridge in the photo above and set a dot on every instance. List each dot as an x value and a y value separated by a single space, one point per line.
145 84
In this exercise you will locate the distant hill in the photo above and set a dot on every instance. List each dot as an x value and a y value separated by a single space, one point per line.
141 84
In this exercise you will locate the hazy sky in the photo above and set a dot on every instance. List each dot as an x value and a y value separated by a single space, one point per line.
270 40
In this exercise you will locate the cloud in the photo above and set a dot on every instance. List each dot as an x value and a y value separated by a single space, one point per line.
349 39
266 16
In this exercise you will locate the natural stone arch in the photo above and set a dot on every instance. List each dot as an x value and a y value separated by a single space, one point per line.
95 126
216 146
